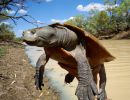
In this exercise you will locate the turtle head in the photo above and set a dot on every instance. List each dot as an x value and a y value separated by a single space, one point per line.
41 37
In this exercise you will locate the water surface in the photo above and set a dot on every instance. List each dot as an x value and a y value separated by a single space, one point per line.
118 71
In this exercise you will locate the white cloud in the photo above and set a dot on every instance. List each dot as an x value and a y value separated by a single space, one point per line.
10 11
22 11
18 4
71 18
48 0
5 23
60 21
39 22
94 6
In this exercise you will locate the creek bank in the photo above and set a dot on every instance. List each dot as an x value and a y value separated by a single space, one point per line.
17 78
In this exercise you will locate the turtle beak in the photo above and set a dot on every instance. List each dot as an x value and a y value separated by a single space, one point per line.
28 36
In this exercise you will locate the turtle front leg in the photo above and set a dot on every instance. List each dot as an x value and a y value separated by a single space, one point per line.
86 89
102 84
40 65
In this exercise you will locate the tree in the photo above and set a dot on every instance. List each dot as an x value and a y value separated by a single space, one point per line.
78 20
120 14
7 6
6 32
100 23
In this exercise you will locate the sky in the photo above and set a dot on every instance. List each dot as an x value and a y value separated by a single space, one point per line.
50 11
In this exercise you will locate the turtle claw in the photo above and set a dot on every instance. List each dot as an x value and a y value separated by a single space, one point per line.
86 92
102 94
69 78
39 81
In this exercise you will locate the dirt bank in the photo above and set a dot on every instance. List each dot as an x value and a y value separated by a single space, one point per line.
16 78
122 35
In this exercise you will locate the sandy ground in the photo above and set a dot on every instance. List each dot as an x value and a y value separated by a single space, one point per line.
17 81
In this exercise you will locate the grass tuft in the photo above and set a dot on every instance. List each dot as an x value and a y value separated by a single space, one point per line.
2 51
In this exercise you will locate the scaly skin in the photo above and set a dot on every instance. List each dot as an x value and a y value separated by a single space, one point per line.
67 61
86 86
55 42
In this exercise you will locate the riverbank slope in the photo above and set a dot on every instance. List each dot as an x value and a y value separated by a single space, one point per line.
16 78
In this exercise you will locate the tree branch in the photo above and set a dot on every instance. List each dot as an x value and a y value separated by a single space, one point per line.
9 5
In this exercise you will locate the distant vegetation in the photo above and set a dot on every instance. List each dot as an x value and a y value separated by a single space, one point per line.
2 51
7 6
6 32
108 22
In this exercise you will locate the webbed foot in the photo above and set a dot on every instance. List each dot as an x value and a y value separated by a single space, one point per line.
86 92
69 78
39 81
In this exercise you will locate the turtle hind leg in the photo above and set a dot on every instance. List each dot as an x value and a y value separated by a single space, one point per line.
102 95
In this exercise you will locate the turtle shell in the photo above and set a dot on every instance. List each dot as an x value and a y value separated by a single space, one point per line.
95 51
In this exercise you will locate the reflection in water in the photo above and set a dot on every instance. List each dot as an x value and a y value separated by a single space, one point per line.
118 71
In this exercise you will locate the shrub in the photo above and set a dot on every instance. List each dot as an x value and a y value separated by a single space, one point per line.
2 51
6 32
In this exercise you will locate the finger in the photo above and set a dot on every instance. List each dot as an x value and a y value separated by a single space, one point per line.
42 84
36 82
40 79
101 94
85 93
40 87
90 94
79 93
86 96
82 93
101 97
94 88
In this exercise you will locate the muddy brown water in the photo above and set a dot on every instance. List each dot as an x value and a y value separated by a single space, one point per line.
118 71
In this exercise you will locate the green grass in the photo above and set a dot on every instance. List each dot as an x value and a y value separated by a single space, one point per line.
2 51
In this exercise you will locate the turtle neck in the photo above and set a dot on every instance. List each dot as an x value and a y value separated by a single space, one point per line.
66 38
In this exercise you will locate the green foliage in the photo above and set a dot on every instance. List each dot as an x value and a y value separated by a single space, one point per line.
98 23
2 51
3 16
119 15
6 32
91 25
18 39
78 20
108 22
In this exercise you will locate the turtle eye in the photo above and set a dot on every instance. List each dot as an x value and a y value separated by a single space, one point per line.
33 31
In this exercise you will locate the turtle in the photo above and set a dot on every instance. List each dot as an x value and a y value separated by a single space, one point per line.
77 51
